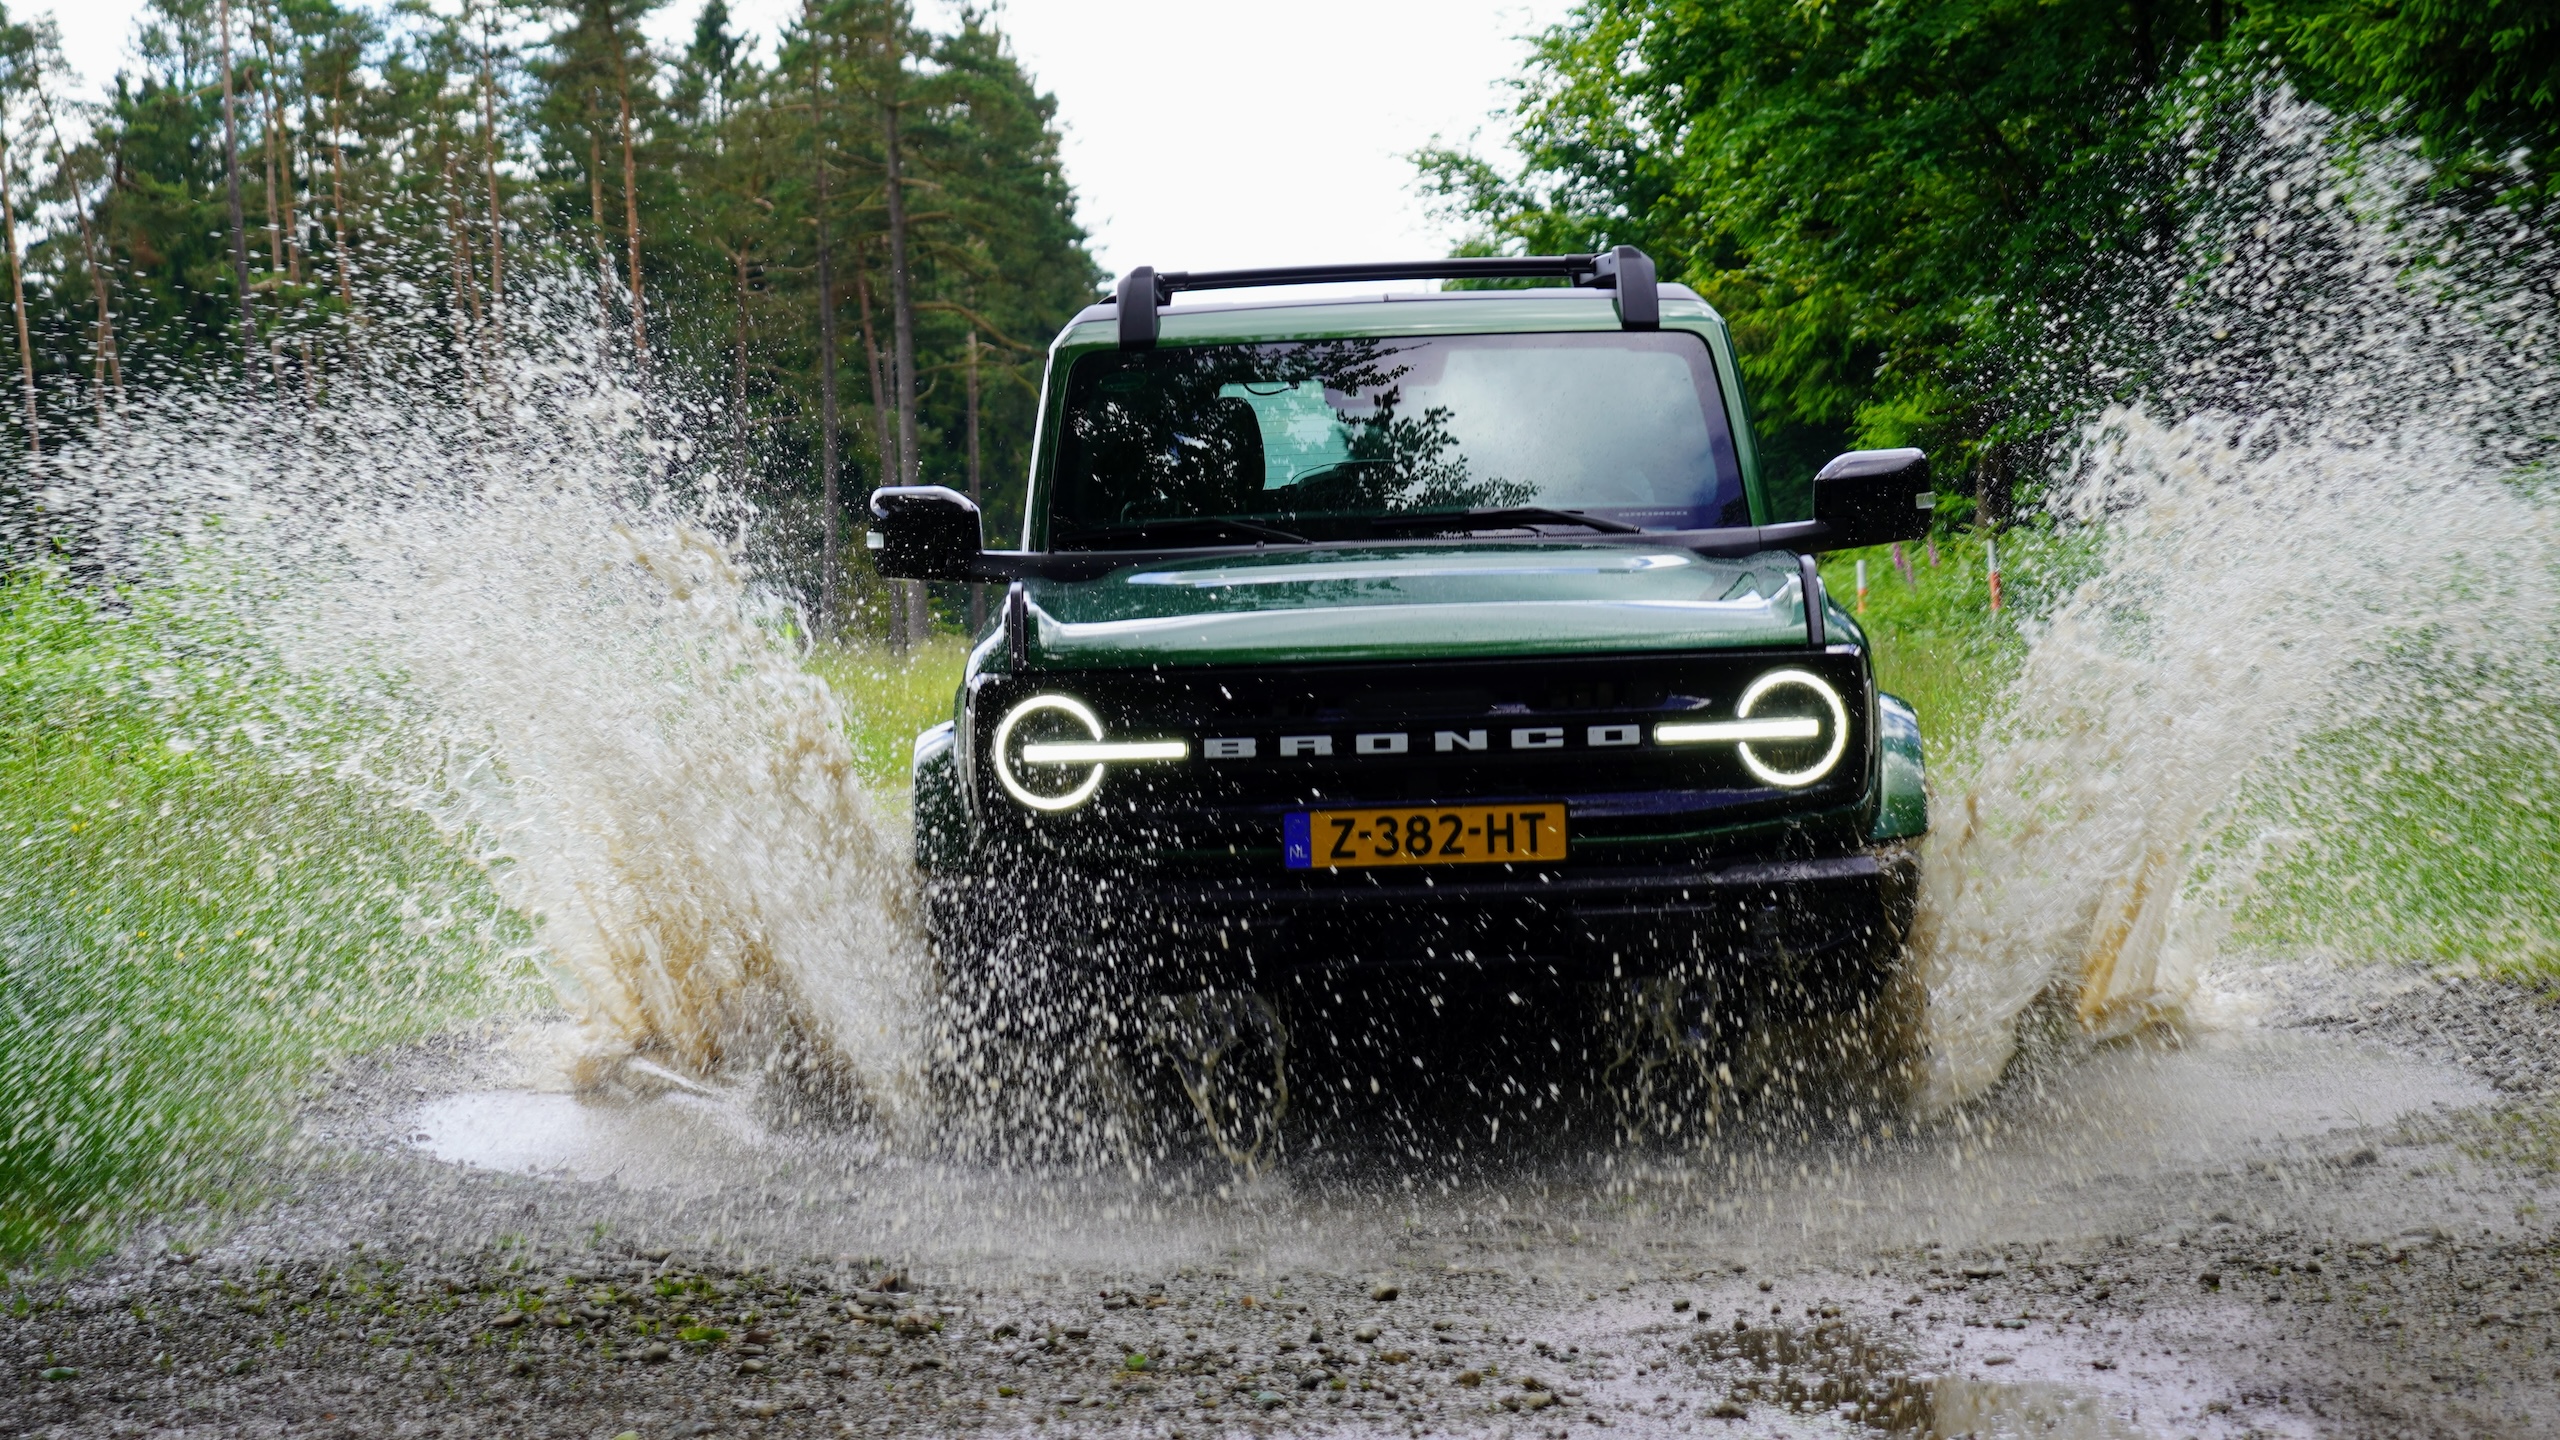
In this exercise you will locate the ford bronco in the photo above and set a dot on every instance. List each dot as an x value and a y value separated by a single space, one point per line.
1453 630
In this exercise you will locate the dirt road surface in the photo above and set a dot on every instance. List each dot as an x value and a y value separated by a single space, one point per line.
2328 1213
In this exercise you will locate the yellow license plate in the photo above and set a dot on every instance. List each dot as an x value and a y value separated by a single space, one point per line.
1424 835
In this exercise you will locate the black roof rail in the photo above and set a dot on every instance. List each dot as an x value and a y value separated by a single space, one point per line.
1629 271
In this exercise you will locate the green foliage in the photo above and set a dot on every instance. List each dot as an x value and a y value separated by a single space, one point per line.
186 928
396 159
1901 206
2477 80
888 698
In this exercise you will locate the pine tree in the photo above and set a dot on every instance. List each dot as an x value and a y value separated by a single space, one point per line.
468 149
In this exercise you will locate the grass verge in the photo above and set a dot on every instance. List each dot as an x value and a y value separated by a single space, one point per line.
1938 644
187 923
889 697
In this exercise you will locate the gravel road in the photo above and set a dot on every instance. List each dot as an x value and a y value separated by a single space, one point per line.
2325 1215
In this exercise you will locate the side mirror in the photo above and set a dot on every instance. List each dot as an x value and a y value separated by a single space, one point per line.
1873 497
924 532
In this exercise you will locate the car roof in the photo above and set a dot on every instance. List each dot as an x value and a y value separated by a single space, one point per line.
1271 317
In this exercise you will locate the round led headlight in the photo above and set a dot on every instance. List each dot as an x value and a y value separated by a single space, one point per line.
1050 753
1780 682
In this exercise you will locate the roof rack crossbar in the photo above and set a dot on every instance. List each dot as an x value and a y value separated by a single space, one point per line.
1629 271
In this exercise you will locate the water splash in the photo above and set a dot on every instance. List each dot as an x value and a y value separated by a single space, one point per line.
511 602
2311 526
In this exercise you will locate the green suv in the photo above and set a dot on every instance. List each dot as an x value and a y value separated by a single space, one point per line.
1453 630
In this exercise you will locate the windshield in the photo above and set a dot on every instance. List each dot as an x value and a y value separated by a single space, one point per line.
1335 439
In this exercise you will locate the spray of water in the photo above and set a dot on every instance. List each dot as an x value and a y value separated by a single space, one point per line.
506 600
2315 540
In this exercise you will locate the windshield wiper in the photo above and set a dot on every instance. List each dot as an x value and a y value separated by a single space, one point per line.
1502 517
1144 531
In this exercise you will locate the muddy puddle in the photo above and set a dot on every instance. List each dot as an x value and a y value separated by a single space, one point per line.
2094 1143
1831 1377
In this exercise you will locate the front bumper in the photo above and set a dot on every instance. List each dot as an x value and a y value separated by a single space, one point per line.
1820 926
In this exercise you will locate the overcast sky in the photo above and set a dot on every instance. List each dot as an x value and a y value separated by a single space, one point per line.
1200 134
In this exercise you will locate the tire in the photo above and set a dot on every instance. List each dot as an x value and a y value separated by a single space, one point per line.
1774 1039
1043 1054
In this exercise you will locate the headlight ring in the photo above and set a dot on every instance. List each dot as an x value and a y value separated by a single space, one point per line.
1098 753
1743 731
1803 679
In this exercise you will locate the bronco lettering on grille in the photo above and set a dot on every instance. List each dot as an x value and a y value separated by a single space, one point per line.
1388 744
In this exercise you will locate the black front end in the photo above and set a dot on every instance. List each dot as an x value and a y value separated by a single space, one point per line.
1677 843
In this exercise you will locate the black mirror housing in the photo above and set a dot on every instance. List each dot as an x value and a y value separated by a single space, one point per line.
925 532
1873 497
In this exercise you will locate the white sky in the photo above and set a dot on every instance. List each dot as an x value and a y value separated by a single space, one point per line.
1239 134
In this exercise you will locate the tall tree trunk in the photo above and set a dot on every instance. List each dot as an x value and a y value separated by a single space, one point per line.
738 374
338 197
830 418
239 222
631 203
107 370
902 311
18 298
977 593
466 292
489 171
884 436
606 282
262 35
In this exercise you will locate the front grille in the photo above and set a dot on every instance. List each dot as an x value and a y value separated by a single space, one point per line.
1267 741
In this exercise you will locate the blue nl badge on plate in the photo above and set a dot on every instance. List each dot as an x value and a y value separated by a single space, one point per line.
1296 843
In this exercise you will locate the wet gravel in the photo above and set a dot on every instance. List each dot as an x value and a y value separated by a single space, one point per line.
2401 1278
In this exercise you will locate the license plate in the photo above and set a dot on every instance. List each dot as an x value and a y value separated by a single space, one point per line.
1424 835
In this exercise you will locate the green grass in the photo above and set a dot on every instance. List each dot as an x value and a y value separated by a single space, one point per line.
1937 642
188 924
2416 842
888 698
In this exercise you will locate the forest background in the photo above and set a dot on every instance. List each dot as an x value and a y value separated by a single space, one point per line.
1903 207
276 175
1930 222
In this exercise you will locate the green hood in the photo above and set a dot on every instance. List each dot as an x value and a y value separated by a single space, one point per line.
1412 604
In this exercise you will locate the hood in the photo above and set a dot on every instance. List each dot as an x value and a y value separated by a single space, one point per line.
1434 602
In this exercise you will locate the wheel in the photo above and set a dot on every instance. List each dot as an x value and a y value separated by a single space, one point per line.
1047 1046
1799 1039
1227 1052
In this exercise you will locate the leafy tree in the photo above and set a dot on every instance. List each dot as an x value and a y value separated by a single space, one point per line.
415 150
1894 200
